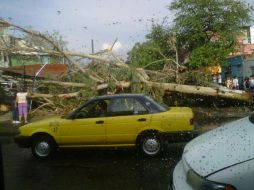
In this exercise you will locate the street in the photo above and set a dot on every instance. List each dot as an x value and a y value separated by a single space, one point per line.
88 169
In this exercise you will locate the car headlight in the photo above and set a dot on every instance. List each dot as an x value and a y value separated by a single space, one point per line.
200 183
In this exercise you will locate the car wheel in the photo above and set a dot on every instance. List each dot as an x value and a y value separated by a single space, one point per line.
42 147
150 145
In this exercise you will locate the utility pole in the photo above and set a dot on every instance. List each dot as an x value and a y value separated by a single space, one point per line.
92 46
92 49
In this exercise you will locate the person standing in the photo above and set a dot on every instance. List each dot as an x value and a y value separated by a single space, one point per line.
21 100
228 83
219 79
246 83
235 83
251 83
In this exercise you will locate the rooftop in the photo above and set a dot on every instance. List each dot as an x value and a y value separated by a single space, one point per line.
50 71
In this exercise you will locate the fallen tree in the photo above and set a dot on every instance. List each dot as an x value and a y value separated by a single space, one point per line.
205 91
218 91
108 74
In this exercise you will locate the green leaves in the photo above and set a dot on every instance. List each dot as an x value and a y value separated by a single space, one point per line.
143 54
155 51
209 54
204 34
208 29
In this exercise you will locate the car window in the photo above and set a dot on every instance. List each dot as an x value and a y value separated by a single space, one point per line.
94 109
153 106
126 106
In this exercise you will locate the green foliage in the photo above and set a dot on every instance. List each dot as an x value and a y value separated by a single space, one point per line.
209 54
111 74
154 50
143 54
208 29
196 77
204 30
160 36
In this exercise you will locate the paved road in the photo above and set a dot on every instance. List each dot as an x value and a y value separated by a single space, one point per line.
89 169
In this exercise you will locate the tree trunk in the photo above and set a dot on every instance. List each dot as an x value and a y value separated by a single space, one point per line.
205 91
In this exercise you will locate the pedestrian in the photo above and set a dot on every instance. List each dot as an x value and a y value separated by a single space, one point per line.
251 83
214 78
246 83
219 79
14 108
21 100
228 83
235 84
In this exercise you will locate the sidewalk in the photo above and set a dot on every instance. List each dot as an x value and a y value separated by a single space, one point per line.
6 120
7 129
5 117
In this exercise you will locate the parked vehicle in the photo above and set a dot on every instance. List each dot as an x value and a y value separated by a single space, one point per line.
222 159
123 120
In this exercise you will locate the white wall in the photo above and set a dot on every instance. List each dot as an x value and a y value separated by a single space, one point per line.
252 34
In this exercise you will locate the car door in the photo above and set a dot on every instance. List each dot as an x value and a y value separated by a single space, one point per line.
85 127
126 117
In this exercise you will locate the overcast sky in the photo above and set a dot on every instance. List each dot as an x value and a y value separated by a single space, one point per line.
79 21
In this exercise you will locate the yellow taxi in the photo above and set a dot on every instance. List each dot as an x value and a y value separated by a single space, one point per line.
123 120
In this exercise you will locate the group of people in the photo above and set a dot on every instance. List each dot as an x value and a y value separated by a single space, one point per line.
233 84
248 83
19 107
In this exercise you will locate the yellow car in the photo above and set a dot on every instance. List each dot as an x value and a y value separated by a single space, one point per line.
124 120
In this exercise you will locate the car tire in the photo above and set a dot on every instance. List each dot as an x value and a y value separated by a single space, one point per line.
150 145
43 147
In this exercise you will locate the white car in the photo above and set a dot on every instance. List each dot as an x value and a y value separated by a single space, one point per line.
221 159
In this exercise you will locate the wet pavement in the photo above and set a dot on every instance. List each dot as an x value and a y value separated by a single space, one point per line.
92 169
88 169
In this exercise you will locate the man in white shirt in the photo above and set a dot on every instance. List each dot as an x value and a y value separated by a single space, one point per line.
235 83
251 83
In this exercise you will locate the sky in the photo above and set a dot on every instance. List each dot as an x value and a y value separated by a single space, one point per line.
80 21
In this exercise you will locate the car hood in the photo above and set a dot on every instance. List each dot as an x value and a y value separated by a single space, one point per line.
222 147
49 121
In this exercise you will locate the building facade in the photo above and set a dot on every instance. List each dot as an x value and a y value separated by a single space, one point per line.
240 63
20 58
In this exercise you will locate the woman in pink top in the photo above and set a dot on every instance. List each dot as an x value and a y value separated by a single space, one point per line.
22 105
